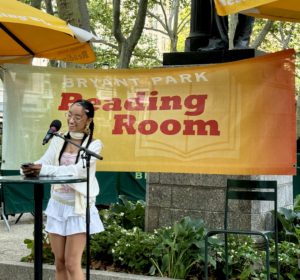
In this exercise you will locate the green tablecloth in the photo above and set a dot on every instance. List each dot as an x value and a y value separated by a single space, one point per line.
19 198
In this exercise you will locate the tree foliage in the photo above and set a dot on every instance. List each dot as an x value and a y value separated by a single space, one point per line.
169 18
272 36
144 53
125 43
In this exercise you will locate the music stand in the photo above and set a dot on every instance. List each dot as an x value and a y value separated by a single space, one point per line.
38 183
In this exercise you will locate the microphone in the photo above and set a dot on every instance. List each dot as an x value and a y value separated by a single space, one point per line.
54 127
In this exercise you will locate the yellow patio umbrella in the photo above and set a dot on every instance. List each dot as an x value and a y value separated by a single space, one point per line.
26 32
284 10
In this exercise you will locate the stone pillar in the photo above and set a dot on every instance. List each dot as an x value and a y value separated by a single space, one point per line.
171 197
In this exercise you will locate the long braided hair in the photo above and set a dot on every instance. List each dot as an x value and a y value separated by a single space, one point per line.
90 112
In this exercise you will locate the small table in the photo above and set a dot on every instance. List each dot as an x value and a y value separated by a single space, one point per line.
38 210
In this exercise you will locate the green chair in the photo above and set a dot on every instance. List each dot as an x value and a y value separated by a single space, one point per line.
251 190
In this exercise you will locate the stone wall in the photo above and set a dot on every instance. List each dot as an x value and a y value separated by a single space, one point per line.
171 197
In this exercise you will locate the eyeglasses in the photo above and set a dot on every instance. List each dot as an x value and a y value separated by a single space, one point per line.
76 118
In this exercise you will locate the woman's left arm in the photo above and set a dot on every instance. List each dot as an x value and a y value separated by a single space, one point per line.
77 169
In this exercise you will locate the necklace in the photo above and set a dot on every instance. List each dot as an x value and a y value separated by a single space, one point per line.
77 135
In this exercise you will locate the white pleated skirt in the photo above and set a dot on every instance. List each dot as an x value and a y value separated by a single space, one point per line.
62 220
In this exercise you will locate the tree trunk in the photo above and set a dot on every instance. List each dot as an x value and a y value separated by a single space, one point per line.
66 11
174 40
74 12
127 45
173 25
125 55
233 20
49 7
169 20
36 3
286 39
85 18
262 35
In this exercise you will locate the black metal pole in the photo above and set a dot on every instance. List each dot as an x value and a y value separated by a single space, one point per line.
88 258
38 231
200 24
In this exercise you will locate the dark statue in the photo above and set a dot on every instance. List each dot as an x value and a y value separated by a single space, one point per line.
219 34
209 31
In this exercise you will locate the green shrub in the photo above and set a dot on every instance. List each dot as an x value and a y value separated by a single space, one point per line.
178 251
127 214
179 248
289 255
134 250
246 260
119 218
101 244
289 222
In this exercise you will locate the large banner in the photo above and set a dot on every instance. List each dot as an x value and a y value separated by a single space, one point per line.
229 118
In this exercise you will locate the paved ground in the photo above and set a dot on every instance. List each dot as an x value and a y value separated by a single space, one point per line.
12 247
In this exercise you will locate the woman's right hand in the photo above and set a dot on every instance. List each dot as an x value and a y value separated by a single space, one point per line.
31 169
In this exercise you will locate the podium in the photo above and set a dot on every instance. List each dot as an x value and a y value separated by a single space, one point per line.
38 183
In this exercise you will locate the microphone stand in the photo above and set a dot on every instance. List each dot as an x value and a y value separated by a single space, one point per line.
87 156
